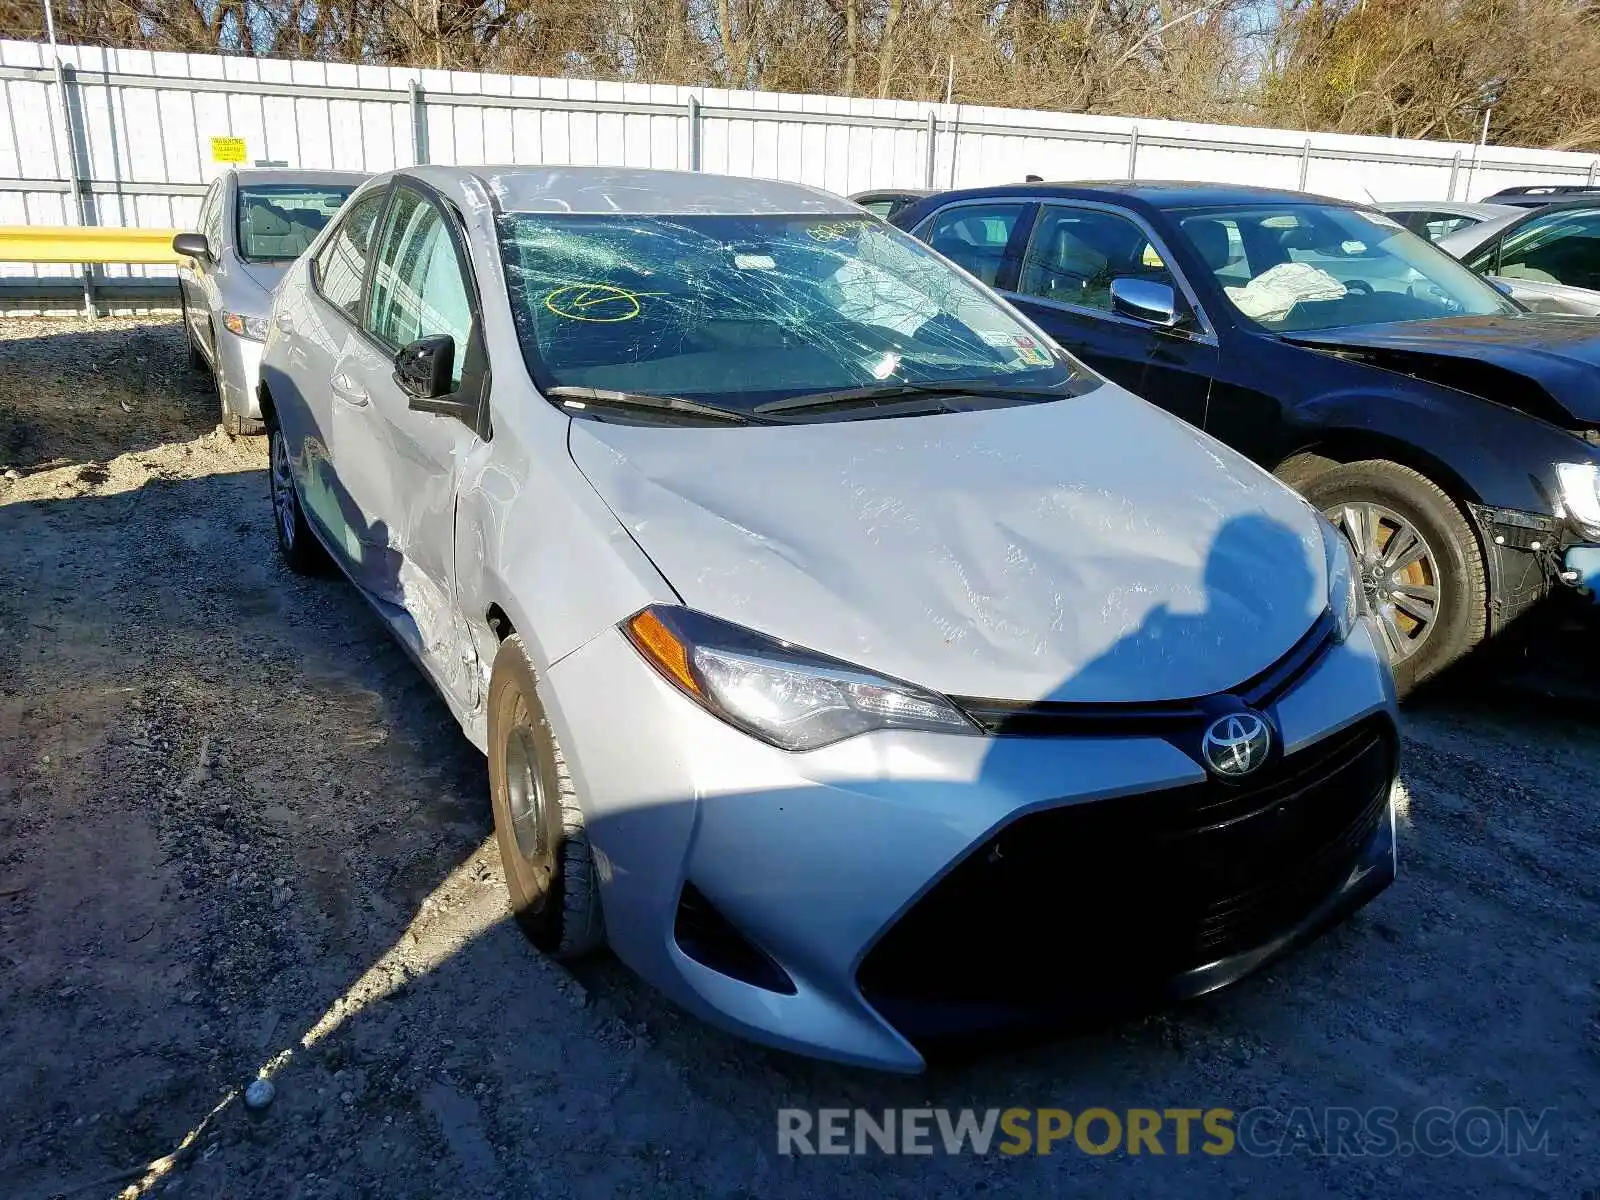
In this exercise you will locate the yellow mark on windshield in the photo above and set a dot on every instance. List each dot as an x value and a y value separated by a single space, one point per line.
834 231
598 302
1150 258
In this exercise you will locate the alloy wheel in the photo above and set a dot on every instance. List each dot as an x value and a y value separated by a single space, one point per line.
1399 574
528 803
282 483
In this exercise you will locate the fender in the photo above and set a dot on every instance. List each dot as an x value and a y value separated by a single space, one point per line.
1480 456
560 581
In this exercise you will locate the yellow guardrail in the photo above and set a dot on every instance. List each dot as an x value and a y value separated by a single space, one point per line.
85 244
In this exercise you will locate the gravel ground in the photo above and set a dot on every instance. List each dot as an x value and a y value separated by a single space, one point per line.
239 835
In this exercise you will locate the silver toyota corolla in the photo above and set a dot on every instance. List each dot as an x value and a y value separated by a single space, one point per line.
252 225
858 665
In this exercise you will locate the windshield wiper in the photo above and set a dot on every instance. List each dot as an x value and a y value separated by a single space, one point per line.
583 396
867 397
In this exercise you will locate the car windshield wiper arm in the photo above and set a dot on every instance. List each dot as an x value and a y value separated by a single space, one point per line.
883 393
578 397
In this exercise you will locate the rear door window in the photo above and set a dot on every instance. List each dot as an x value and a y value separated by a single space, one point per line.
974 236
342 264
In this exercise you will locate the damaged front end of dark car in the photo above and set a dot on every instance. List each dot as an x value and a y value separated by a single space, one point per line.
1532 480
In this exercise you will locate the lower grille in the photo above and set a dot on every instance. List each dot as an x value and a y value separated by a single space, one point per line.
1121 895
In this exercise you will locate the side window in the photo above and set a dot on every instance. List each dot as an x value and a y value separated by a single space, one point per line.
1076 253
879 208
1417 222
418 289
202 223
1561 247
213 226
342 262
974 236
1434 226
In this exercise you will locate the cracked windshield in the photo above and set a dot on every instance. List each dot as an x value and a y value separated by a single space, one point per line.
1303 267
739 311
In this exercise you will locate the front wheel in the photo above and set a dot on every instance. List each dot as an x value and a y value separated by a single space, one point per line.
196 359
1421 567
538 823
301 551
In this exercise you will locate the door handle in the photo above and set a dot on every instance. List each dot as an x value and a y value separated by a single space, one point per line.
348 390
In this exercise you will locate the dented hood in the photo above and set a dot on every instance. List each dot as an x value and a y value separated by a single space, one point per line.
1090 549
1497 358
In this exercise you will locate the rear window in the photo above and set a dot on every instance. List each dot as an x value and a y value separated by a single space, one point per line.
278 222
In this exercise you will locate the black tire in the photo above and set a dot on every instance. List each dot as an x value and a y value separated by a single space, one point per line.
196 359
301 551
538 822
1452 567
237 427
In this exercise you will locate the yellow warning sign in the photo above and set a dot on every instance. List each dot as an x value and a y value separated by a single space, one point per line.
227 149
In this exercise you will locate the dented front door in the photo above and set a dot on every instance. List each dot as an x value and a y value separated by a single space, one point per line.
400 467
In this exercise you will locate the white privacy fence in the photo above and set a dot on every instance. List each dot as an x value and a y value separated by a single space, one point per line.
131 137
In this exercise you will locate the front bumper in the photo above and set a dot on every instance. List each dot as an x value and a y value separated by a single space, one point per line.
819 858
238 370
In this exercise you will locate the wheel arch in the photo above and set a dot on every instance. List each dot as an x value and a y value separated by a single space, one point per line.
1336 447
269 413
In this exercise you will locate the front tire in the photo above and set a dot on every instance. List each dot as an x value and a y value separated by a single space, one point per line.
538 823
1422 567
301 551
196 359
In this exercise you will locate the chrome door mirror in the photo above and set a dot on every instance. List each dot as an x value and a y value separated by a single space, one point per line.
1145 300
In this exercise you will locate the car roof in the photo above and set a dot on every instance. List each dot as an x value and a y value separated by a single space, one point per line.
628 190
271 175
1544 189
1525 201
873 193
1158 194
1460 208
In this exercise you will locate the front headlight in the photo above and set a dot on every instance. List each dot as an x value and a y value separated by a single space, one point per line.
1346 600
254 328
789 697
1579 484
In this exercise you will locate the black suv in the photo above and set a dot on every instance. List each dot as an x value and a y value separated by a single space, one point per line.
1451 434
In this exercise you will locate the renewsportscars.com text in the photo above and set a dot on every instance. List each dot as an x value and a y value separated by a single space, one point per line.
1258 1132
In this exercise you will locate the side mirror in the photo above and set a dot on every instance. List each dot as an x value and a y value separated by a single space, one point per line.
423 368
1499 285
423 371
192 245
1145 300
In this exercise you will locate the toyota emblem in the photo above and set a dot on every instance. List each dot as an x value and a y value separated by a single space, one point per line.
1236 744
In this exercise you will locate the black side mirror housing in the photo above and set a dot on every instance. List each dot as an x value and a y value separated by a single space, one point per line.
192 245
423 369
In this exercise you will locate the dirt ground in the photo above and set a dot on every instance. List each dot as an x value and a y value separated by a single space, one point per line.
239 836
